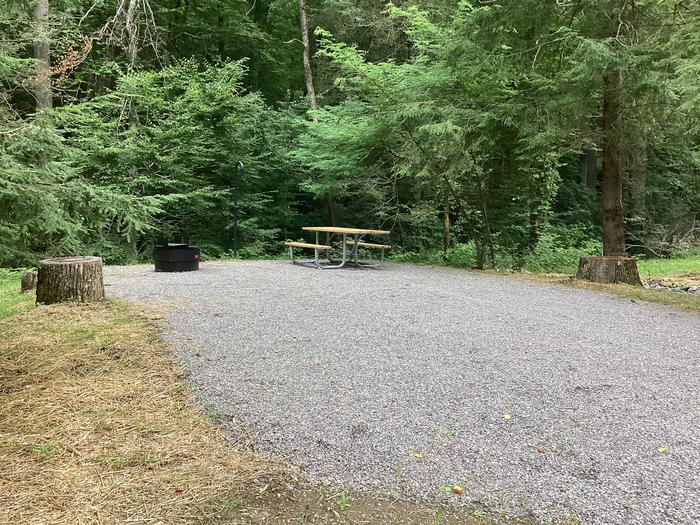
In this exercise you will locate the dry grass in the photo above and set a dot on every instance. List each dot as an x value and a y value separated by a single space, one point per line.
681 279
681 301
96 426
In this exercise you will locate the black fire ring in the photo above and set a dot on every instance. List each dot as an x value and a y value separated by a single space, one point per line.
176 257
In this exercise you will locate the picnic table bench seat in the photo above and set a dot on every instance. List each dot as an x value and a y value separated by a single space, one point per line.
307 245
369 245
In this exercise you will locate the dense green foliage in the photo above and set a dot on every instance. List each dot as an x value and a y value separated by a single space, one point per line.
472 130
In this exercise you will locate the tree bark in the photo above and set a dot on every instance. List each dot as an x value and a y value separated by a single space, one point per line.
221 43
70 279
469 224
638 178
103 83
609 270
480 255
308 74
446 225
613 211
310 90
332 215
589 168
42 81
28 282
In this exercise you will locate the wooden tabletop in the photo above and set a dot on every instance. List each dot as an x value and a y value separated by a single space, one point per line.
349 231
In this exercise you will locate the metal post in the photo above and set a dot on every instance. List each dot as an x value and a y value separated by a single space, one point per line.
239 173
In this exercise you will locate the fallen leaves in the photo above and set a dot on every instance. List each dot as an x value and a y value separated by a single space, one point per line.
456 489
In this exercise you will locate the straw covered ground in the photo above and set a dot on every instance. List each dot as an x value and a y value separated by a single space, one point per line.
97 426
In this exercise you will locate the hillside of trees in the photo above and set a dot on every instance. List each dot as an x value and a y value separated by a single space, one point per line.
495 128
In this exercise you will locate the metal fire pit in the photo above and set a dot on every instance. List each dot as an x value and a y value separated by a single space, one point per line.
176 257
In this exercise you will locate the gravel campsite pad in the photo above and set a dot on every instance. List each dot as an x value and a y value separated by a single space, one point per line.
537 399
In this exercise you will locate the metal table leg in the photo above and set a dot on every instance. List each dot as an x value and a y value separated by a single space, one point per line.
360 264
342 263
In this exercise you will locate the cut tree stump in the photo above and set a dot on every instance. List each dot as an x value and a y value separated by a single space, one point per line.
609 270
70 279
28 282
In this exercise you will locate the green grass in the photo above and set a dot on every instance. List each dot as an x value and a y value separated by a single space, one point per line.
46 450
687 263
343 501
11 301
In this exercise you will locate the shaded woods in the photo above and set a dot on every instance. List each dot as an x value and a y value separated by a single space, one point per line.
498 132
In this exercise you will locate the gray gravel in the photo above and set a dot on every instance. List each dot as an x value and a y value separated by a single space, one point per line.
398 380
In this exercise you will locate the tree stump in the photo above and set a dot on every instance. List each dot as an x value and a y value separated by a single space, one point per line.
609 270
65 279
28 282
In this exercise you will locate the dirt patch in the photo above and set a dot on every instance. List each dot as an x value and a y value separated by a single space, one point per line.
316 506
688 283
663 295
691 278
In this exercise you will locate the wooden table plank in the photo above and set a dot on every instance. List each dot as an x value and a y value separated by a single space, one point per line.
308 245
349 231
369 245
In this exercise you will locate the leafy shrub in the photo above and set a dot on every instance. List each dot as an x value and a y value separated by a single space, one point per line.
424 257
461 255
552 255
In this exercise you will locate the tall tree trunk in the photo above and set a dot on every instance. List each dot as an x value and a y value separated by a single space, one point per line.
221 44
330 206
480 255
637 176
486 227
104 83
308 74
533 225
402 234
613 211
589 168
310 90
469 223
446 225
42 87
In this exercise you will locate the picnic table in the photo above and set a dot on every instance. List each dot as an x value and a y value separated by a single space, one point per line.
352 241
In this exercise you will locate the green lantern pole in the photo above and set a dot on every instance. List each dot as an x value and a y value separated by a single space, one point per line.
239 173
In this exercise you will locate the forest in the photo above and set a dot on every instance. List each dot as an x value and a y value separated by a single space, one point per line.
493 133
